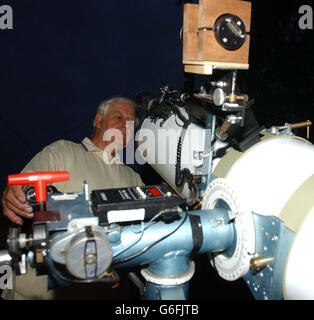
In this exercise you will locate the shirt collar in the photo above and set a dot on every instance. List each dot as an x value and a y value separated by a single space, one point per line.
89 146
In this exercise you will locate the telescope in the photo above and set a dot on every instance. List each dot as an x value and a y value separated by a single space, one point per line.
232 188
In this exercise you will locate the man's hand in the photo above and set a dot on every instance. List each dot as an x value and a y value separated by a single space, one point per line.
13 204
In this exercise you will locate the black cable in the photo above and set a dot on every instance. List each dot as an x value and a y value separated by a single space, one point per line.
176 121
138 283
136 254
180 174
112 279
177 112
211 256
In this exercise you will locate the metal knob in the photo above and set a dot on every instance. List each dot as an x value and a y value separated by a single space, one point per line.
260 262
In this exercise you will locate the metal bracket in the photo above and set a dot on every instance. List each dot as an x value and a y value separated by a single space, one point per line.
273 241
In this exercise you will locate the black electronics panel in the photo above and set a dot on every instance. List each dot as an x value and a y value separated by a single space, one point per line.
145 201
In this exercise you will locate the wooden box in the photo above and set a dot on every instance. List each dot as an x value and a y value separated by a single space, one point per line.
201 51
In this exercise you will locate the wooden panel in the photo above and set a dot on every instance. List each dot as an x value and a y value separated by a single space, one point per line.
190 17
210 10
199 69
211 50
201 52
217 65
190 46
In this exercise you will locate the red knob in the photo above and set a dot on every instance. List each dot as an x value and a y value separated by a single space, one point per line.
39 180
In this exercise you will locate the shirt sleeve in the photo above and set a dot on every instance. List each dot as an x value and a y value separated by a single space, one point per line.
49 159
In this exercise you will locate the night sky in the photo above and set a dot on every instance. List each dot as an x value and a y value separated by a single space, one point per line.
63 58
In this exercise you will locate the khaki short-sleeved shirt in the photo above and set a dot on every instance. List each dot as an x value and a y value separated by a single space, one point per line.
84 161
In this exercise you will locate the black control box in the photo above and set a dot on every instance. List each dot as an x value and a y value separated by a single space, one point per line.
132 203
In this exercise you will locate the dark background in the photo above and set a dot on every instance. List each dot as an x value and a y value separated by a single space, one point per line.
63 58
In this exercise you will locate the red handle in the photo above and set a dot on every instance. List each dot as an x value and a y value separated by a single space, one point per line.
39 180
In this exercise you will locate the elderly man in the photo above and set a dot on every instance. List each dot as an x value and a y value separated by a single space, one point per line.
94 160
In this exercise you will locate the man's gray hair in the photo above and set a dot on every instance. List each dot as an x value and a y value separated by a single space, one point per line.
104 106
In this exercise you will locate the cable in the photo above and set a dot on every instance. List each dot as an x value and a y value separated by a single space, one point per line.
111 278
180 174
211 257
152 244
139 284
143 227
176 121
131 244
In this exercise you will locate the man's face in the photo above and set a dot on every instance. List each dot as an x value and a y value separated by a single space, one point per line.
112 128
